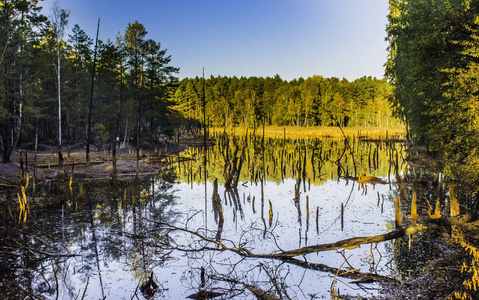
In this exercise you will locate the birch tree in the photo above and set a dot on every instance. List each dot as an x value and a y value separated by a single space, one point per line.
59 21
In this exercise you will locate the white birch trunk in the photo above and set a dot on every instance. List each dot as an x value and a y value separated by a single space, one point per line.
59 99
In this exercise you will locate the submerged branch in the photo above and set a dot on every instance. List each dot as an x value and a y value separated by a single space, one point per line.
355 242
351 243
32 250
259 293
346 273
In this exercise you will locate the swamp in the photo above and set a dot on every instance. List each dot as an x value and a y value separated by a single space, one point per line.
246 217
123 177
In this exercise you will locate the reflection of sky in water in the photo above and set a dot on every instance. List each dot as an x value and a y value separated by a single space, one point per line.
180 275
118 245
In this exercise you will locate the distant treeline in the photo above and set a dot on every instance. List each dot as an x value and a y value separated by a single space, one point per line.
232 101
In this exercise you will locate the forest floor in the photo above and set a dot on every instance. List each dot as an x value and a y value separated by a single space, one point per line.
74 160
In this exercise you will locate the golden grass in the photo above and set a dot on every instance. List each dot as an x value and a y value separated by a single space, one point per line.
318 132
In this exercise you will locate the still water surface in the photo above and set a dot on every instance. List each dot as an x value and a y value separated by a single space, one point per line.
106 237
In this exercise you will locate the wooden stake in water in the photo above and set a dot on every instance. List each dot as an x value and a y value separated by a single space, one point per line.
80 185
342 216
307 211
270 214
382 205
414 214
26 167
35 163
70 184
22 181
437 210
397 207
455 209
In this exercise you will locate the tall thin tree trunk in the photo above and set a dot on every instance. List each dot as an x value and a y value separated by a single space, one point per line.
138 96
7 151
60 156
126 133
59 19
138 124
20 105
204 110
90 105
117 125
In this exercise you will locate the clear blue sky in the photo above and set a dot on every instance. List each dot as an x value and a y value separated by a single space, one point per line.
291 38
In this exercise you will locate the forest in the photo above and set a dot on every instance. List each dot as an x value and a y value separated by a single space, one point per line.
433 66
314 101
58 88
68 89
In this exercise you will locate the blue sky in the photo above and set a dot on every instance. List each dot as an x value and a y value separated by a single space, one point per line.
291 38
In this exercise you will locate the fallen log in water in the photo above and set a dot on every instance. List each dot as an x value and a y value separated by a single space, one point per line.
355 242
345 273
351 243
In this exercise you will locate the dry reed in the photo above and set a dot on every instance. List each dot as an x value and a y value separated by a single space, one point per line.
318 132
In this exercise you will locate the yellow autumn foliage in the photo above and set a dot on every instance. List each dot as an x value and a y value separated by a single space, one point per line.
472 267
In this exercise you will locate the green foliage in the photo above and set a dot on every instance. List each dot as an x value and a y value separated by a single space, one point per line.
419 33
101 134
457 135
134 80
314 101
433 64
21 22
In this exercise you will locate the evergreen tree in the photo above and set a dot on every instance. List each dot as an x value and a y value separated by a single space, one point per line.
77 88
19 21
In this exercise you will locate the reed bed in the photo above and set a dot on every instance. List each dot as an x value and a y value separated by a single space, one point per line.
318 132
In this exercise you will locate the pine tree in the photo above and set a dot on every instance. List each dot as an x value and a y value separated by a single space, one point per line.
20 21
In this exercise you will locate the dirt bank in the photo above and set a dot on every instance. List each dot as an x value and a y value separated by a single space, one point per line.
45 164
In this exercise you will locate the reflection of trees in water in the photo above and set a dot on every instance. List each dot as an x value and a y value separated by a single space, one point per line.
268 275
235 159
125 220
111 221
313 161
218 210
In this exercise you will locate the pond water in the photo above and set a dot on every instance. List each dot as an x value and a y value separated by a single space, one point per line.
104 238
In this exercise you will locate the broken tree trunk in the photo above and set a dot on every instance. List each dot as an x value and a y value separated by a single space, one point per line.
288 256
358 241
